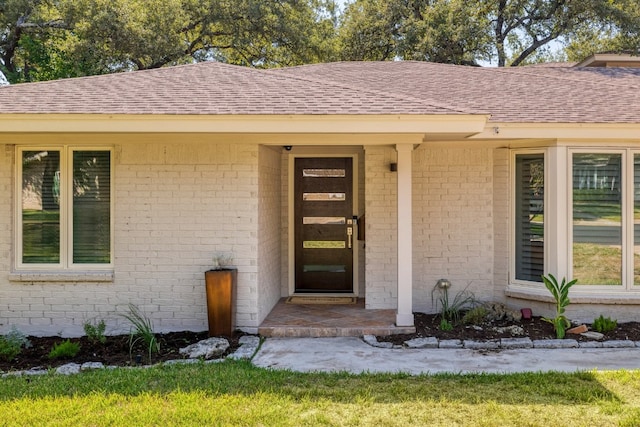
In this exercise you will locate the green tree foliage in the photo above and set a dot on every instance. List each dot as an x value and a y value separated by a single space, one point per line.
620 33
505 32
47 39
431 30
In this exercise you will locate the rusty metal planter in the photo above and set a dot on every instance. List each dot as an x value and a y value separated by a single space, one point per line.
220 286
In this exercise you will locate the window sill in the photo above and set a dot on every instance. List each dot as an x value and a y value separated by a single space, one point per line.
605 297
61 276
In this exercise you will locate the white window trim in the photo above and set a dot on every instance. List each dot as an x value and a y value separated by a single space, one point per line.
559 224
56 272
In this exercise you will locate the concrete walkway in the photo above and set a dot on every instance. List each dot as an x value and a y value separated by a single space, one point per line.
351 354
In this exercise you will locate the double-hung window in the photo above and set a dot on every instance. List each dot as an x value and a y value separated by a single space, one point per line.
64 210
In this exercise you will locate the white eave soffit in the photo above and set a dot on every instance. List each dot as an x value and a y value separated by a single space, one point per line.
463 125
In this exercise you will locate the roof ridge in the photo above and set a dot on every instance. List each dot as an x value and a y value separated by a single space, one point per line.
564 76
136 72
429 102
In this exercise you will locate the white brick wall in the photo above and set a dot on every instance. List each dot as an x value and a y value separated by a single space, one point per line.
453 221
381 228
501 226
269 227
176 204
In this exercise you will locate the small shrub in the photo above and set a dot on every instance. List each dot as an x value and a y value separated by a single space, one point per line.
64 350
445 325
11 344
475 316
604 324
95 332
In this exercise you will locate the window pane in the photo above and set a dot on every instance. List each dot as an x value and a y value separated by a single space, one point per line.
324 268
323 244
334 220
529 216
91 207
323 173
323 197
597 219
40 207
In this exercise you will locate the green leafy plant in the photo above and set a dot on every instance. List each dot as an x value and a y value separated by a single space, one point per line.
475 316
604 324
450 309
560 292
64 350
445 325
141 332
95 332
11 344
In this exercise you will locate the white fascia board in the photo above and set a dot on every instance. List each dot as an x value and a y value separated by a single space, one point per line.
560 131
463 124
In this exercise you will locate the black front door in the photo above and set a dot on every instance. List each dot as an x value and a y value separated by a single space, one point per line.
324 239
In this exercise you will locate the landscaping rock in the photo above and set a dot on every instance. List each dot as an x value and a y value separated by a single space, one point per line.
591 344
513 330
248 346
578 330
498 311
618 344
428 342
373 341
555 343
450 344
206 349
482 345
87 366
68 369
593 335
181 362
511 343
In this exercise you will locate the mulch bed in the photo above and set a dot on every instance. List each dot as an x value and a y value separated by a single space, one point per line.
428 325
115 352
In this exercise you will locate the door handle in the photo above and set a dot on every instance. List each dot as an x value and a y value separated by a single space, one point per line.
349 236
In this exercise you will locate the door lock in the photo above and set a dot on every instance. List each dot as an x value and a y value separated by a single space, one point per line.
349 236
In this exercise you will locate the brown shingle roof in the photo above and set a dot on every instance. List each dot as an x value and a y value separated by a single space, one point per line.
521 94
518 94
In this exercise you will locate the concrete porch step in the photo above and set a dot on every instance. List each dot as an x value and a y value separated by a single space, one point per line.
317 332
318 320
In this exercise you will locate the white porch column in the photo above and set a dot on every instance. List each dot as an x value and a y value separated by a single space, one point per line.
404 316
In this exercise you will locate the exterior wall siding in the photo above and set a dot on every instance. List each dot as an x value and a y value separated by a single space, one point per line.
176 205
269 230
501 226
453 222
381 249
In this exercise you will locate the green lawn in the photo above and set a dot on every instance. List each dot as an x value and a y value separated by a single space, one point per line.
236 393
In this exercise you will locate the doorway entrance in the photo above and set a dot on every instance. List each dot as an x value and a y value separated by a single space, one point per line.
324 234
